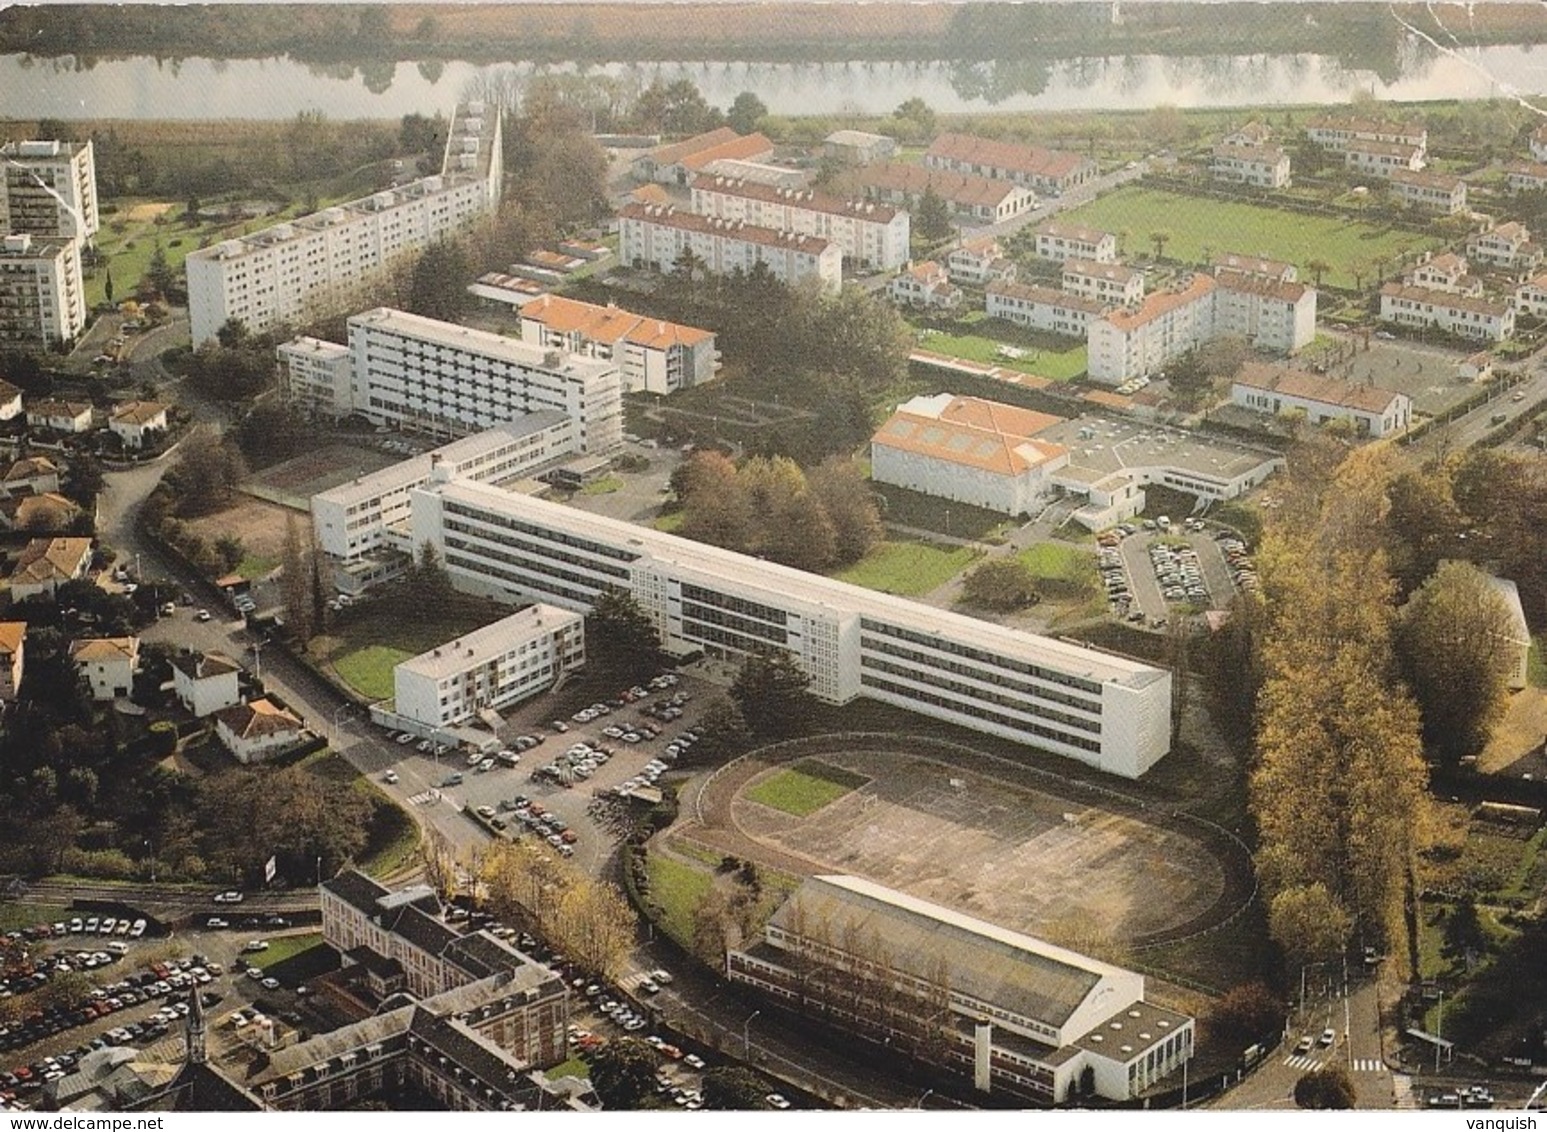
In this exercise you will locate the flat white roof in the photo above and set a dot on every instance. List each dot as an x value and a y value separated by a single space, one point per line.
416 469
483 343
789 588
493 640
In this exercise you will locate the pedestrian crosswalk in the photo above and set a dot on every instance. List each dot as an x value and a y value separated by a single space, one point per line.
1301 1061
1307 1062
424 798
1369 1065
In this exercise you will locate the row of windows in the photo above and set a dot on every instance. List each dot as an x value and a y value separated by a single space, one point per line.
974 696
545 533
549 584
914 695
936 664
735 604
939 644
698 631
742 625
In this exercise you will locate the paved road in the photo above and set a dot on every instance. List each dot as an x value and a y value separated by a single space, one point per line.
1463 432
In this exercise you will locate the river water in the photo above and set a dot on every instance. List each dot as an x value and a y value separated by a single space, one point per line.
143 87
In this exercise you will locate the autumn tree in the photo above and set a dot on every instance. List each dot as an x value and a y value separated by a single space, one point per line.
439 859
1000 584
1424 524
1457 641
711 927
594 925
1309 923
844 493
1326 1088
1244 1014
715 502
623 1073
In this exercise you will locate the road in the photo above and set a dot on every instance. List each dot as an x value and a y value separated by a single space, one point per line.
1463 432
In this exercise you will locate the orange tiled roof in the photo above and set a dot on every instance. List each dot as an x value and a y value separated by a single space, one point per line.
1447 299
257 719
1315 387
1031 160
609 324
987 435
51 560
746 148
796 198
101 649
1260 285
751 233
137 412
965 190
12 634
676 151
1161 303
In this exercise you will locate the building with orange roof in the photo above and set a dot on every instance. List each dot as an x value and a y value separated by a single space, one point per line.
1338 134
1138 341
1505 245
130 422
1059 240
13 644
1266 166
1256 265
257 729
874 236
655 237
980 261
1115 284
676 164
1531 295
107 665
653 356
46 563
1043 308
1447 272
1269 313
1275 389
1382 159
1433 192
1526 177
1047 170
981 199
968 450
927 285
1467 316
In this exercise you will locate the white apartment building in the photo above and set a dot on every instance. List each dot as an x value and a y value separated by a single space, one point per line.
1273 389
107 665
1507 245
49 188
1107 711
1043 308
1339 133
1111 283
1432 192
655 236
1445 272
314 374
1469 316
1274 269
978 262
969 451
1280 317
490 668
1531 296
926 285
1138 341
1527 176
1266 166
1056 240
874 237
328 261
371 512
1021 1016
653 356
1382 159
1046 170
413 372
970 197
42 299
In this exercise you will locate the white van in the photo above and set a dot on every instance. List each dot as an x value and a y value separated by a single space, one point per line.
116 947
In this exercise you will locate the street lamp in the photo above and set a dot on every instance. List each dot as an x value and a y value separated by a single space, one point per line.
338 711
746 1037
919 1104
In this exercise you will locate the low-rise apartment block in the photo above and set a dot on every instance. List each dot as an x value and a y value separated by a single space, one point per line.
490 668
1447 272
873 236
1431 192
1382 159
72 417
1046 170
657 236
1273 389
42 299
1111 283
1531 296
652 355
1276 270
328 260
978 262
1265 166
1280 317
1527 177
679 162
1108 711
968 196
926 285
49 188
1060 241
1507 245
1043 308
408 371
1015 1014
314 375
1140 340
1468 316
1338 133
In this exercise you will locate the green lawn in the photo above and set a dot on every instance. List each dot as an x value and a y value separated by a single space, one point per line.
364 651
678 888
1196 224
287 947
670 521
368 670
14 917
804 788
908 568
1056 560
255 566
931 513
1054 364
574 1067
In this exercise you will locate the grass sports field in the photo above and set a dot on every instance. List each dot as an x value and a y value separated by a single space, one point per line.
1064 363
805 788
1196 224
908 568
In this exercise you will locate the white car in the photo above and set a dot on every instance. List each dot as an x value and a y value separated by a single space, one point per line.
228 897
390 778
777 1100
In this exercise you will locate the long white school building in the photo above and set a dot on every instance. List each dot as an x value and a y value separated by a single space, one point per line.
1104 710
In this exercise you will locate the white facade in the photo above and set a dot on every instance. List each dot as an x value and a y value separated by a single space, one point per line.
42 299
1047 170
413 372
131 422
1445 272
1464 315
359 517
1266 166
1135 342
653 356
49 188
1043 308
1067 241
1432 192
873 236
1527 176
855 147
968 196
979 262
656 236
255 730
1508 246
1280 317
328 260
1382 159
491 668
314 375
925 285
107 665
60 416
1531 296
205 682
1104 710
1338 134
1109 283
1373 412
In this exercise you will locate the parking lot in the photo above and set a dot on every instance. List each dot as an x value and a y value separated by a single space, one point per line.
1150 573
577 792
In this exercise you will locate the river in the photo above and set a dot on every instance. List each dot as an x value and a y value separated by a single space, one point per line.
147 88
